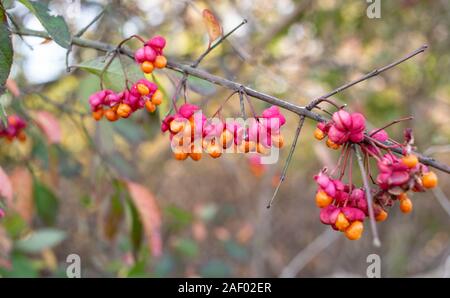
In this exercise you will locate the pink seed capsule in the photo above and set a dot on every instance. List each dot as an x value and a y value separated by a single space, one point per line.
139 56
342 120
358 122
150 54
157 42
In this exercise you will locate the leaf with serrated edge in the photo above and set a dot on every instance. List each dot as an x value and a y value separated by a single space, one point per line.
114 77
56 26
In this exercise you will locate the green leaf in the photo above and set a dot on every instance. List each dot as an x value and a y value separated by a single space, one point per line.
21 267
6 50
178 218
56 26
135 226
68 166
40 240
187 248
215 268
3 115
236 251
14 224
114 77
46 203
200 86
130 130
113 216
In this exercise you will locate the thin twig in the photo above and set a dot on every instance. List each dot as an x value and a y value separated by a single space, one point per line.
79 34
369 75
288 160
94 20
242 105
219 41
313 249
391 123
14 23
376 240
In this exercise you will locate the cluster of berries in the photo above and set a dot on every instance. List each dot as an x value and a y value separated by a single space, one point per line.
344 206
191 133
344 127
142 93
15 129
113 105
151 56
397 176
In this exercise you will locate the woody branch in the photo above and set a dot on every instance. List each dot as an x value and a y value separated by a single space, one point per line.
303 112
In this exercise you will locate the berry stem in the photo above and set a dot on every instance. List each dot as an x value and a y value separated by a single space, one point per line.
343 168
323 110
333 103
107 65
391 123
242 104
376 240
341 155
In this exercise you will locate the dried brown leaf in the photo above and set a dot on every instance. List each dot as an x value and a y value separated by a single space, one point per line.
212 25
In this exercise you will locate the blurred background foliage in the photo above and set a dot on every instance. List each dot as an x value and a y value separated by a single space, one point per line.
208 218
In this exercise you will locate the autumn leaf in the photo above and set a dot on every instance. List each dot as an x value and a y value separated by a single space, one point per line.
5 248
5 187
12 87
212 25
49 126
22 184
46 41
150 215
113 217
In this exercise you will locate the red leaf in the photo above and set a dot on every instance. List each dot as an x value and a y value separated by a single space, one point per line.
5 187
150 215
22 184
212 25
11 85
49 126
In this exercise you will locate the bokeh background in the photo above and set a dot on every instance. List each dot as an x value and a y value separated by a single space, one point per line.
214 221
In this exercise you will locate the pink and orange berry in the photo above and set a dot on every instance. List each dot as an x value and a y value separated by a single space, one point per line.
151 55
344 206
212 137
142 94
14 129
114 106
